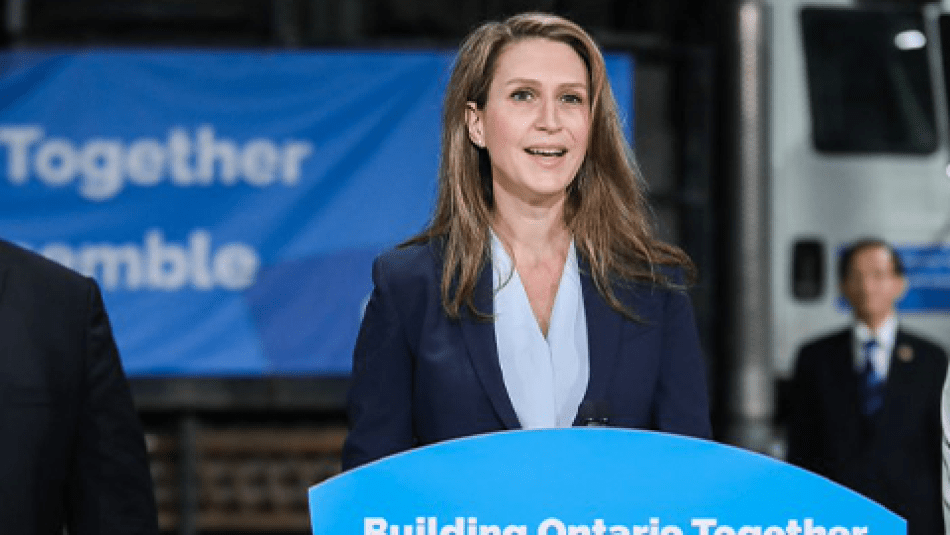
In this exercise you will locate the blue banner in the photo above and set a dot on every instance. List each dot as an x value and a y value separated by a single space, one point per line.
229 203
927 270
585 481
928 278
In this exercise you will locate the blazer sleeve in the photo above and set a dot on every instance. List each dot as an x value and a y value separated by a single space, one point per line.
805 444
682 399
379 405
109 487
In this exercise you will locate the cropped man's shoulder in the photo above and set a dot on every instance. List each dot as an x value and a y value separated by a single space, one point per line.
825 341
27 263
922 343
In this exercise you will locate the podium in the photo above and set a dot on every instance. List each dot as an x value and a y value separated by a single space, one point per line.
589 481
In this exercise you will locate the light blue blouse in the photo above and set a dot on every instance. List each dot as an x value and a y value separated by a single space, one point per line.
546 378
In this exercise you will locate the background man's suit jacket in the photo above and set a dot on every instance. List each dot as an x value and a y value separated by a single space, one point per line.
72 452
897 462
420 377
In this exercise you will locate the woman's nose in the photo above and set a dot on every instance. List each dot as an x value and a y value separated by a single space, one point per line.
548 116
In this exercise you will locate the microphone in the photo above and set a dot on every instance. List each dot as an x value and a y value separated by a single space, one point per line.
594 413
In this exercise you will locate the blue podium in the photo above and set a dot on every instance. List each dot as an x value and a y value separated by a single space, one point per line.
589 481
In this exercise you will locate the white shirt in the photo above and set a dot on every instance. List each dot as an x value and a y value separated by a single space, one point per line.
546 378
881 356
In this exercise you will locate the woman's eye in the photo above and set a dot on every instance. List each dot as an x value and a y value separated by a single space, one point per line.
571 98
521 94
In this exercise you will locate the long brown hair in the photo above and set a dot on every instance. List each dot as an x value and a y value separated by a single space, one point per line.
606 209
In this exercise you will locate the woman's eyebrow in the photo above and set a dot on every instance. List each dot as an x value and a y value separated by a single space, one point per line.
531 81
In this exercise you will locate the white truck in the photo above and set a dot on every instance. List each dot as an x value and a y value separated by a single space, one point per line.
840 113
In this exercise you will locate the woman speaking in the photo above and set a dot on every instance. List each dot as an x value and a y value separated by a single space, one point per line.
538 296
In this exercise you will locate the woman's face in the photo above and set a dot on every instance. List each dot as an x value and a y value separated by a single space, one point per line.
536 121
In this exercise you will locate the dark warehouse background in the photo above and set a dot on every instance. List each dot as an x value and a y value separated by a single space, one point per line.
234 455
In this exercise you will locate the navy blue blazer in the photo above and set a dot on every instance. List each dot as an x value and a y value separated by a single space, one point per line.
420 377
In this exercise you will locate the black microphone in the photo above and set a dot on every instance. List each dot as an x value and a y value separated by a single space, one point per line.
594 413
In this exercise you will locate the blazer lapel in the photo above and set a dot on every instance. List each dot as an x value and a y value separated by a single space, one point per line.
604 326
480 339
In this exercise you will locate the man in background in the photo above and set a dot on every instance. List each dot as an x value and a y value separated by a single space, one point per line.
73 455
865 401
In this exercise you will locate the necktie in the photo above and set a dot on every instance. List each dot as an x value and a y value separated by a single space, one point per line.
872 384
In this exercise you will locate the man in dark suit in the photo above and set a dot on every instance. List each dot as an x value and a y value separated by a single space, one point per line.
865 407
73 455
